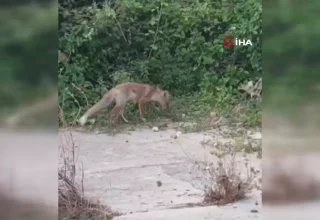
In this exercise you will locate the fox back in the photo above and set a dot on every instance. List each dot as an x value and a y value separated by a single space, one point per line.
131 91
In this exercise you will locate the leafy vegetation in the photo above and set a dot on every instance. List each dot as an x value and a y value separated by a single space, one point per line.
176 44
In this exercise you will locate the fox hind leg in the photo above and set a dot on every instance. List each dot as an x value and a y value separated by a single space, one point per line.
115 111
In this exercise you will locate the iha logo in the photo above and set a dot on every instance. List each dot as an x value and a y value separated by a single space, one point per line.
230 41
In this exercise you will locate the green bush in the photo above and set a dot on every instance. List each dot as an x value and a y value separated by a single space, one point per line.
176 44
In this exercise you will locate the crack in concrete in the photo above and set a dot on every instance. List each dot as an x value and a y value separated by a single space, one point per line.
136 167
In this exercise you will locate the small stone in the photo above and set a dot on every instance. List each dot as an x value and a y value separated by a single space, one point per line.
155 129
213 114
256 136
254 211
174 136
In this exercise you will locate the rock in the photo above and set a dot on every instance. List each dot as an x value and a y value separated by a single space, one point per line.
155 129
188 124
159 183
256 136
175 136
213 114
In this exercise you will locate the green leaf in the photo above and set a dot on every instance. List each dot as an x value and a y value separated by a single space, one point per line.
154 47
207 60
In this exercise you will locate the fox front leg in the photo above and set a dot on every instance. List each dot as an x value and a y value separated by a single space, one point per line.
141 109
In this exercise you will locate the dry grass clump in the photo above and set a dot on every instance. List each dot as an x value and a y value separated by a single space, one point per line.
72 202
226 181
225 189
226 186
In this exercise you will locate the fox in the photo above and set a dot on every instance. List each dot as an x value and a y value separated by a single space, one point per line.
124 93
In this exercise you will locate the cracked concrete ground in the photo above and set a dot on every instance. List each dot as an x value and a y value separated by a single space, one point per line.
123 171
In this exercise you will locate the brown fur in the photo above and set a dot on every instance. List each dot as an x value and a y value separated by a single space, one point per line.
124 93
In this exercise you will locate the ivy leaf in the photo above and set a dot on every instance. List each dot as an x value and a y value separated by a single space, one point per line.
207 60
154 47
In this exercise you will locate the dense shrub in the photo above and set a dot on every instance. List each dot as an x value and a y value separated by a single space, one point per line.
177 44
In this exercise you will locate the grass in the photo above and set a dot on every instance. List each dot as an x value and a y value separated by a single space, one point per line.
194 113
242 107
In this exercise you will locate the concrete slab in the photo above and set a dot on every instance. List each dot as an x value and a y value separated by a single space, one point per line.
124 171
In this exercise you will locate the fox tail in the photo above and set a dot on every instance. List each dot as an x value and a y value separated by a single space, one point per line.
103 103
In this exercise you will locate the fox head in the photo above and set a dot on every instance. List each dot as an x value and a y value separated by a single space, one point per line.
161 96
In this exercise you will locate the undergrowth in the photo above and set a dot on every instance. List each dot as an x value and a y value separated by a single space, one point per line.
177 45
196 108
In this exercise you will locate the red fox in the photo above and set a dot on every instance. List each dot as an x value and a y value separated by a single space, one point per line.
126 92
